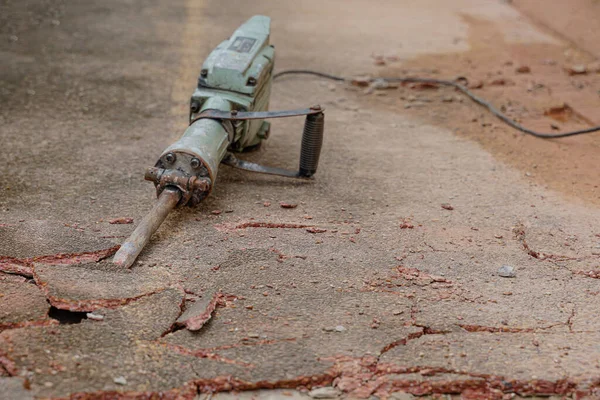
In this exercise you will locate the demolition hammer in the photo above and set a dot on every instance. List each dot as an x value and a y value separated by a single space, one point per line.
227 114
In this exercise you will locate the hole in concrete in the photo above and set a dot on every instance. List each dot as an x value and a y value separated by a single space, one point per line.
66 316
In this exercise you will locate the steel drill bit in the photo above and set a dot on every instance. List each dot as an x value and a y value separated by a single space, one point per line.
132 247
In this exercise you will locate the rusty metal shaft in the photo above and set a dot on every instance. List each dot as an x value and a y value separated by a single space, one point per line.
133 246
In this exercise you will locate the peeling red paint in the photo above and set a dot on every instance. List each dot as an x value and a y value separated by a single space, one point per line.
592 274
74 258
202 353
26 324
256 224
494 329
403 341
7 365
361 377
229 383
15 266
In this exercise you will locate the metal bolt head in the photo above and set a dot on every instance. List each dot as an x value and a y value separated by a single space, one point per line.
195 163
234 112
170 158
195 107
316 107
251 81
204 73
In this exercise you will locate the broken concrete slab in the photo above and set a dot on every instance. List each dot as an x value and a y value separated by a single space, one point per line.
147 318
198 312
298 314
44 238
87 287
123 344
22 304
49 242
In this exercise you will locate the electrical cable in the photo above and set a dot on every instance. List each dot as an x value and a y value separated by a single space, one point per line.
455 84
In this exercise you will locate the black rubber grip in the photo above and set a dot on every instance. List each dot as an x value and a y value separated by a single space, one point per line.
312 141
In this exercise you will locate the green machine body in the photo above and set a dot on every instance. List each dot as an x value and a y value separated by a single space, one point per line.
227 114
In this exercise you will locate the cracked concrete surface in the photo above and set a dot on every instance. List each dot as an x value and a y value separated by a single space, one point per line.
369 284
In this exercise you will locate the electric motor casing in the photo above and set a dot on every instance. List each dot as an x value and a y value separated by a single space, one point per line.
236 76
240 71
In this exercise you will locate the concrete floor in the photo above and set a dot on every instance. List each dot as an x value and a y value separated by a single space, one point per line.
398 294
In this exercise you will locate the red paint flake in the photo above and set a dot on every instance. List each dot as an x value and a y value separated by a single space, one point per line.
406 224
121 221
315 230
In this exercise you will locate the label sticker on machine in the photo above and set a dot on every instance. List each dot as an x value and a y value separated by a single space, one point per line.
242 44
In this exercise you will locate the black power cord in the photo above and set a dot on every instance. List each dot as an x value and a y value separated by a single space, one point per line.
455 84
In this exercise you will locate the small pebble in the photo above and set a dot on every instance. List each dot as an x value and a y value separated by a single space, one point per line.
340 328
94 317
506 271
120 380
253 335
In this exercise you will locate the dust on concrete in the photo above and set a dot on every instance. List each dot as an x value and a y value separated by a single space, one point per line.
492 68
368 305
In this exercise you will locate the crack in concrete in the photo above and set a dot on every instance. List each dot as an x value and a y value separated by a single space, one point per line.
519 231
7 365
570 320
87 305
203 353
230 383
257 224
401 342
504 329
24 266
254 343
174 326
590 274
26 324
